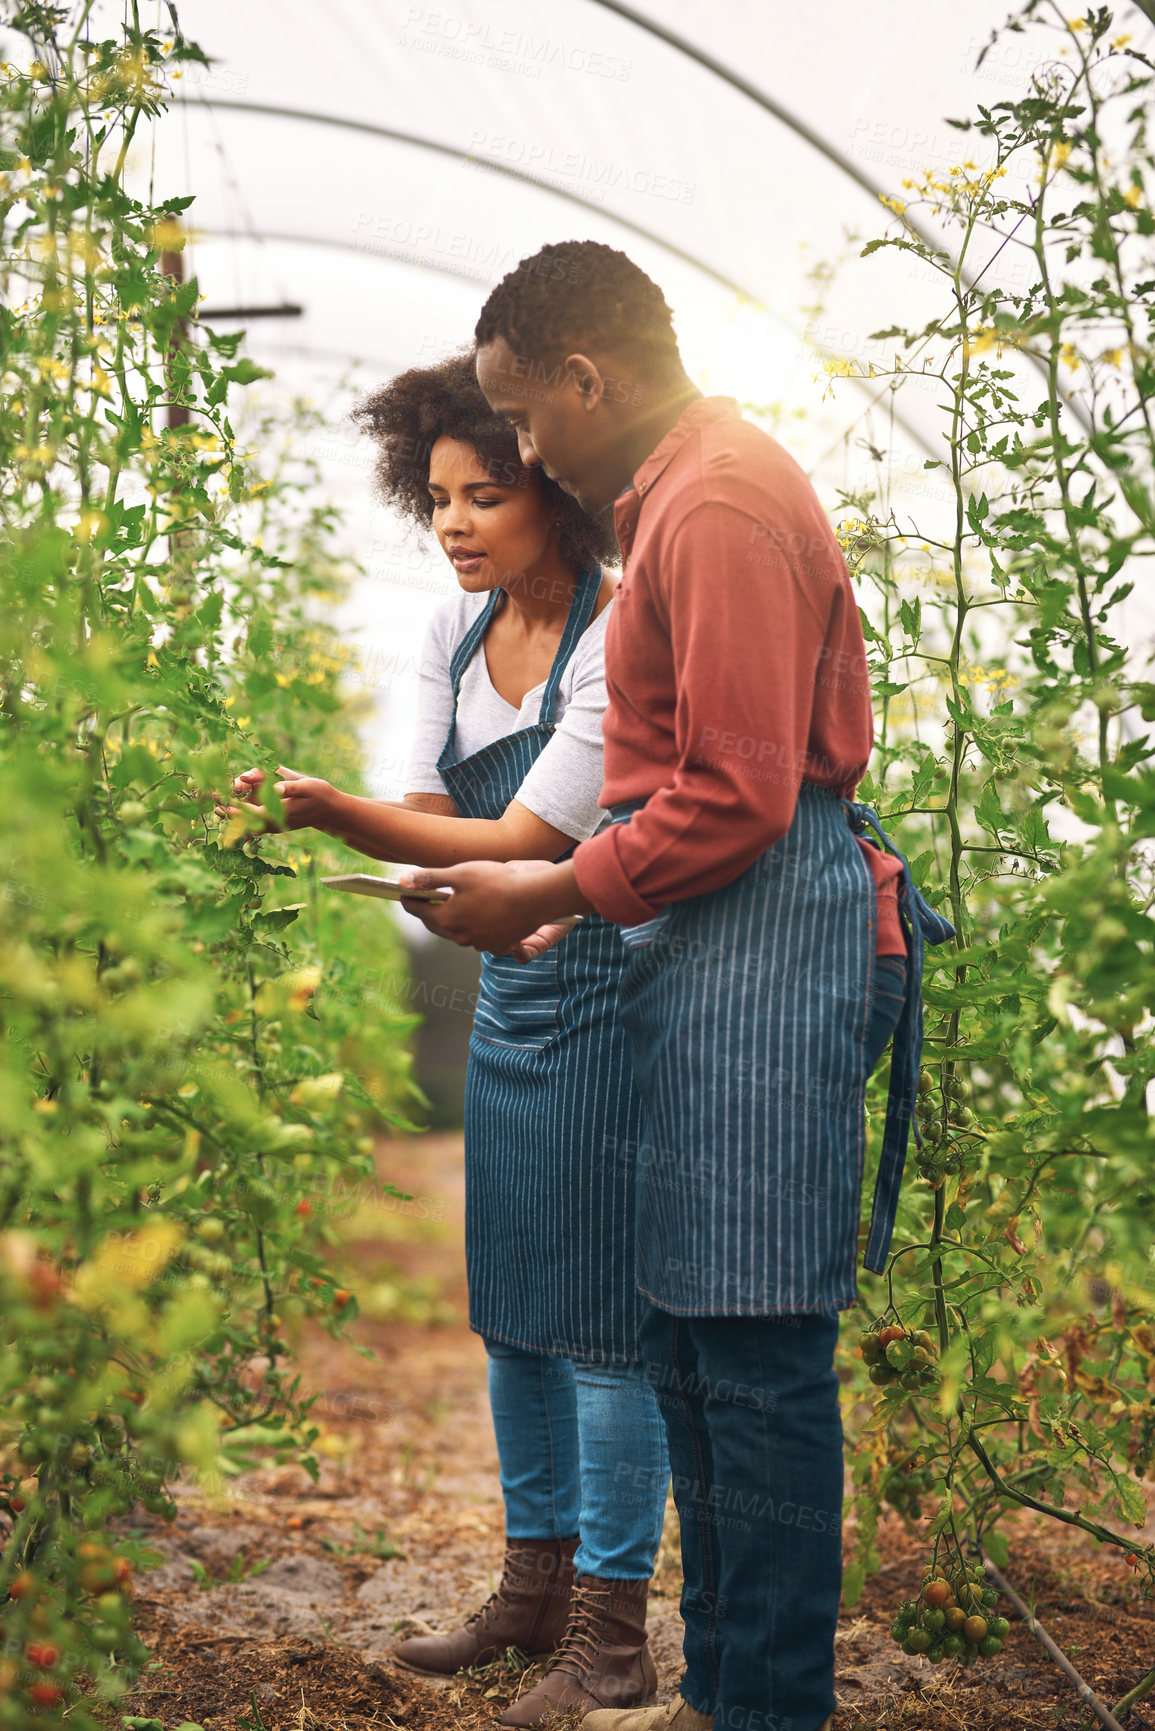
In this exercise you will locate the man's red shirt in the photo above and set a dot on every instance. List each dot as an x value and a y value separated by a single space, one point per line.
735 667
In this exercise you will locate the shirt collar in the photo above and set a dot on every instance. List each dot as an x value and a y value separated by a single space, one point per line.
700 413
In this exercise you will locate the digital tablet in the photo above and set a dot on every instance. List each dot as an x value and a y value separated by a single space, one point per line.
388 889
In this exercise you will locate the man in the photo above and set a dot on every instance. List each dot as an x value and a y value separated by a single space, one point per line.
769 960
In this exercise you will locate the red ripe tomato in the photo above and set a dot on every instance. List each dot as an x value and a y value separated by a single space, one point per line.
341 1298
886 1335
22 1586
46 1694
304 1209
123 1569
42 1654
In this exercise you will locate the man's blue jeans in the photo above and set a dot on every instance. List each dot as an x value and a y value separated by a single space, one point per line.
755 1435
582 1450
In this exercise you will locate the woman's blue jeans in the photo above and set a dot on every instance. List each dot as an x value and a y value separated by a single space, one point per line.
582 1450
755 1434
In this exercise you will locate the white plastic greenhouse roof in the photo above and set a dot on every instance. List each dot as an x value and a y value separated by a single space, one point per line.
384 162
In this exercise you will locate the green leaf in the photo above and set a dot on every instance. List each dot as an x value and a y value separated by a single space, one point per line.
910 613
245 372
996 1547
1032 831
989 810
1131 1500
942 1517
853 1581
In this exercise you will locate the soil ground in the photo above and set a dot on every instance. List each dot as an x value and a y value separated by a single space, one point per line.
404 1532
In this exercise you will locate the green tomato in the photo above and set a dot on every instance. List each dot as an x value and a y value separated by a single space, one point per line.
918 1641
989 1646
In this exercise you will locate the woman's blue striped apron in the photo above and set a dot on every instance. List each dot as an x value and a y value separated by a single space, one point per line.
552 1118
747 1011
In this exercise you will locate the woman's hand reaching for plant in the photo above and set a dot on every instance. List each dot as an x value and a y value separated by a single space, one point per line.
306 800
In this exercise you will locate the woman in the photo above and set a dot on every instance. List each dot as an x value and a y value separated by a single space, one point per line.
507 765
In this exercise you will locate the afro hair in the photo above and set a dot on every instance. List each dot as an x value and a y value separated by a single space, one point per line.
407 417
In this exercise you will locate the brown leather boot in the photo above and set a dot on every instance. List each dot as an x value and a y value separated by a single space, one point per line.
604 1660
530 1611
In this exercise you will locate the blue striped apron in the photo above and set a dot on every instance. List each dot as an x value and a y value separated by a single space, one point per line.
552 1118
747 1010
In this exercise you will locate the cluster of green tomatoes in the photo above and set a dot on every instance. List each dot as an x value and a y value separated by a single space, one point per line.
894 1355
942 1153
953 1617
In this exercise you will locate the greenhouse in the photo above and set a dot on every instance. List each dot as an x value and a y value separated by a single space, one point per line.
576 963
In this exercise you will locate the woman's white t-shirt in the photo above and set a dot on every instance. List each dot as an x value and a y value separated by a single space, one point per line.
563 785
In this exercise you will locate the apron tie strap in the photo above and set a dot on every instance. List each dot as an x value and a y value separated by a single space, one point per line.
580 613
921 925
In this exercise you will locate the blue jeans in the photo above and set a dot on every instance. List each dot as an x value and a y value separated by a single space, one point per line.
582 1450
755 1435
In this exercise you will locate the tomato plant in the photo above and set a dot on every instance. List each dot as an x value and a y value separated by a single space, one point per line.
186 1073
1015 766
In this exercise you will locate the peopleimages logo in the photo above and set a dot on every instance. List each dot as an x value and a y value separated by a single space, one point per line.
439 32
595 174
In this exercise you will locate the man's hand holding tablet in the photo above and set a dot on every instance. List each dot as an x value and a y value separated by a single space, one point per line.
518 909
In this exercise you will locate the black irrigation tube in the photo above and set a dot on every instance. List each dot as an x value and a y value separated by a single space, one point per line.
1084 1690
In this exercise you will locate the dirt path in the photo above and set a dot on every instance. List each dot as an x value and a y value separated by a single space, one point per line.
404 1531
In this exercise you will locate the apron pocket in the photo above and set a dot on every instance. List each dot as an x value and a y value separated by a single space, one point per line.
518 1001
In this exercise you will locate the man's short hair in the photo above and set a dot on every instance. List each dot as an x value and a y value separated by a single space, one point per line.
581 295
